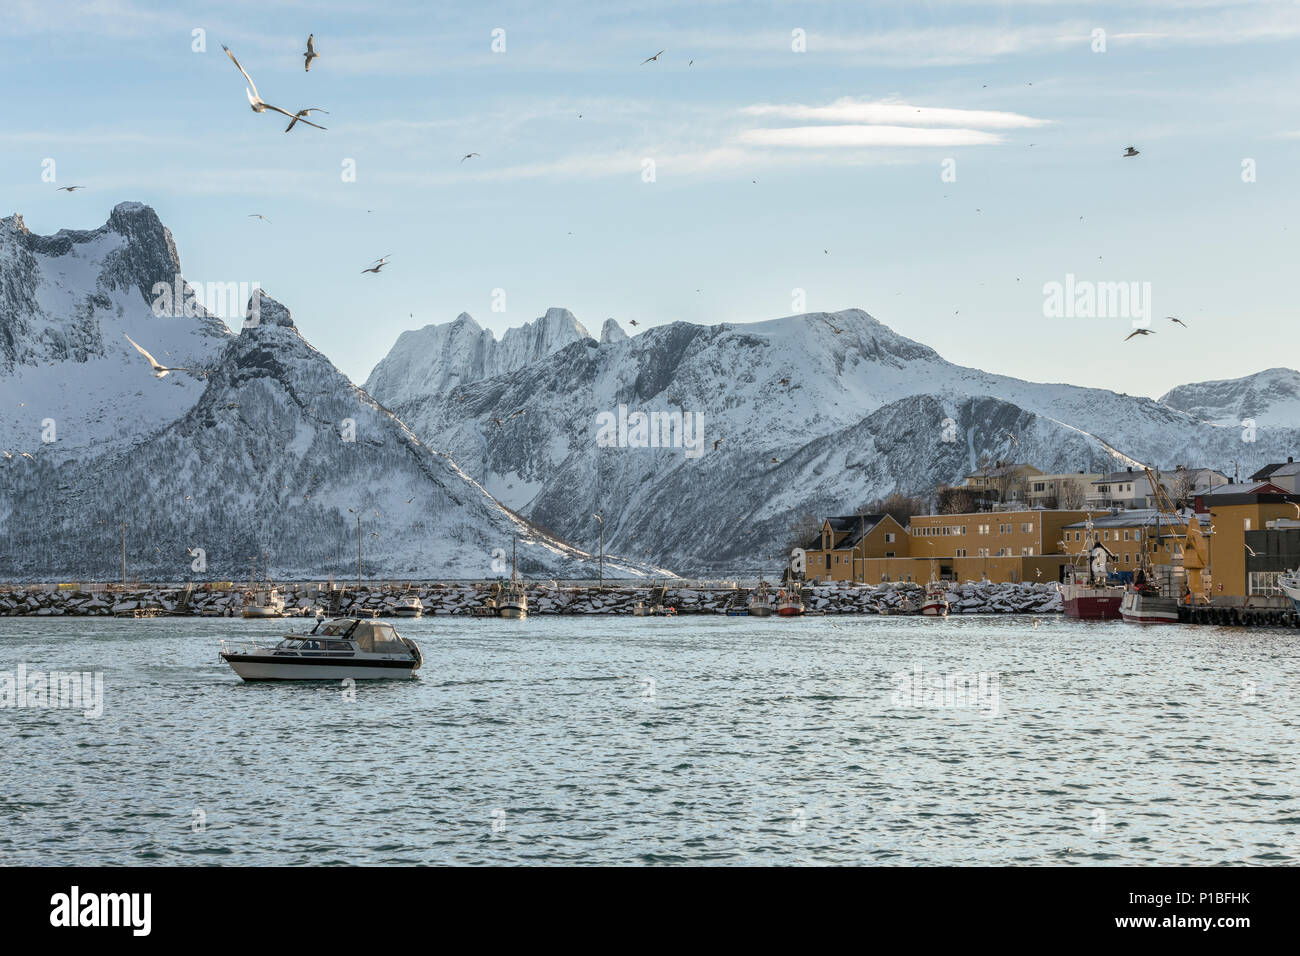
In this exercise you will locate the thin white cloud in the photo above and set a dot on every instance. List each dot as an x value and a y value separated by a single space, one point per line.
824 136
849 110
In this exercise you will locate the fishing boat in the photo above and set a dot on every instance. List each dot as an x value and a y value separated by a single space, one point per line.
1158 590
1290 585
760 602
639 609
265 602
513 603
1148 606
789 600
935 602
1085 594
409 605
355 648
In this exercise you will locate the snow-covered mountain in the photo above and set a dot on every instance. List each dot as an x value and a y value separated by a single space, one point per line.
264 456
437 358
67 301
1270 397
815 413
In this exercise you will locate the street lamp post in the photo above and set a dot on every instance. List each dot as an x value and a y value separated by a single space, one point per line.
358 514
600 517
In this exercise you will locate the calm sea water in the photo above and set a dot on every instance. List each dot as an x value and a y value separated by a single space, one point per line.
705 740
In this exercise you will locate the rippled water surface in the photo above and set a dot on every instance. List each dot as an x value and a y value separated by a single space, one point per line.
695 740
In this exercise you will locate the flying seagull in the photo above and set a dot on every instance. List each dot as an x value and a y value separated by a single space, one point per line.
311 53
298 117
379 264
1139 332
649 58
717 442
631 321
468 156
1014 440
69 189
785 381
1174 318
258 215
833 328
160 371
1130 151
254 98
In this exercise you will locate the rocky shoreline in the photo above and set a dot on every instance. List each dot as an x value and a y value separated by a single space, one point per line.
976 597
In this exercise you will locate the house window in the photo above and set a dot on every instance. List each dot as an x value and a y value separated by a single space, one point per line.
1126 534
1246 525
889 537
889 554
963 529
1126 557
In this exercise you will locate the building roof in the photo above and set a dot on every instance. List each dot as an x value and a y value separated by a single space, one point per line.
1001 469
1268 470
854 528
1139 517
1119 476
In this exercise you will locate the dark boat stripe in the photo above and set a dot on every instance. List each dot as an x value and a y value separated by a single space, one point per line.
324 661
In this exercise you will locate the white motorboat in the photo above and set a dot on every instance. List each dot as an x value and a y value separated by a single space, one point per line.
1290 585
266 602
361 649
409 605
640 610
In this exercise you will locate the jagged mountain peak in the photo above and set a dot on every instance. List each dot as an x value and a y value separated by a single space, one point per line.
262 310
611 331
1269 397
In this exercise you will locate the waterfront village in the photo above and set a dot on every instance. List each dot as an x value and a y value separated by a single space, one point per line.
1010 522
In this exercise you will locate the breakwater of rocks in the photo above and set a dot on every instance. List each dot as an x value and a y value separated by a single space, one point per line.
463 597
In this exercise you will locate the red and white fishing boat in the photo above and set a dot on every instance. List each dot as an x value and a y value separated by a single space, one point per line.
789 603
935 602
1085 593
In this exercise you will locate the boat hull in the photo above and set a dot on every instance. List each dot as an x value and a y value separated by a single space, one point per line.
935 609
408 612
1093 607
1138 608
790 610
761 610
513 613
256 668
262 612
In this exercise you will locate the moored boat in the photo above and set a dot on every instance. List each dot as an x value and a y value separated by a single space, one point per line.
1290 585
1148 606
935 602
513 601
789 601
360 649
266 602
409 605
1085 593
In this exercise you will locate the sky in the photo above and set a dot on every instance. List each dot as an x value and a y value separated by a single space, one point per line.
937 164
